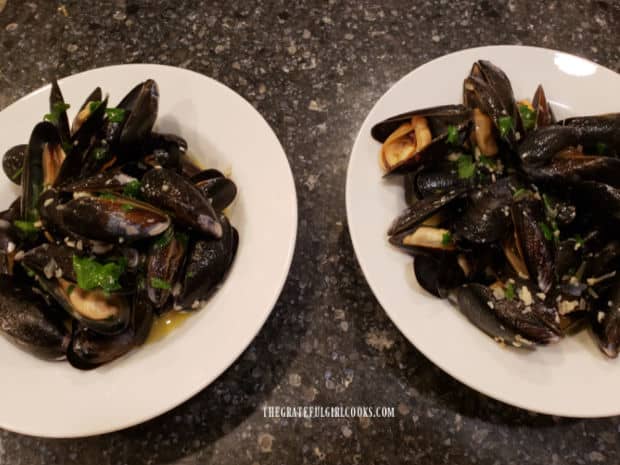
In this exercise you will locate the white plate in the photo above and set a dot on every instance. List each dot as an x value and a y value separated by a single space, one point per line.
223 131
571 378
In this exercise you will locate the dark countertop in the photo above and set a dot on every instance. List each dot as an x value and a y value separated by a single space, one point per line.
313 71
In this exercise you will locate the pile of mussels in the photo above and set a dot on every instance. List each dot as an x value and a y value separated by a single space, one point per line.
512 215
115 223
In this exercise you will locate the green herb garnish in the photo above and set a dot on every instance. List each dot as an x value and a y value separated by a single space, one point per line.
127 207
165 239
505 125
158 283
70 289
100 153
453 135
92 106
546 230
27 227
115 115
509 291
17 174
132 189
579 240
518 193
466 167
57 109
92 274
601 148
107 196
547 202
528 116
446 239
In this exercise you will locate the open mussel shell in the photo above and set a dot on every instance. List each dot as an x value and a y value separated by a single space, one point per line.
104 313
589 193
439 118
165 151
208 261
542 109
82 140
486 214
528 217
220 191
488 88
438 274
476 303
89 349
422 210
30 322
572 166
8 248
108 181
44 160
85 111
51 261
163 265
605 320
13 163
57 102
113 219
596 130
142 114
176 194
423 239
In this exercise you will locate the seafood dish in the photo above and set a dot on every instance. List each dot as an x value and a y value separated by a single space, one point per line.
512 215
115 226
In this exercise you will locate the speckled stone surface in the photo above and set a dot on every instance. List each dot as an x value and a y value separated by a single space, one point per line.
314 70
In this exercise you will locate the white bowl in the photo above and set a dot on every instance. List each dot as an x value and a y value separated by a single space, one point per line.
571 378
223 131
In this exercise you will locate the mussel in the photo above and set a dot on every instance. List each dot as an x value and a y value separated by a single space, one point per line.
174 193
208 261
28 321
163 265
421 136
13 163
113 218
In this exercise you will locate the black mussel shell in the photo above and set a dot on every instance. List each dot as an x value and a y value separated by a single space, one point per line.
208 261
163 264
176 194
28 321
13 163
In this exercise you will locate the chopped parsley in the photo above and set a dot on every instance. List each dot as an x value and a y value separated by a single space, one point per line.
127 207
165 239
92 274
100 153
446 239
509 291
528 116
546 230
465 167
601 148
453 135
115 115
579 240
57 109
519 192
506 125
132 189
92 106
107 196
158 283
26 227
17 174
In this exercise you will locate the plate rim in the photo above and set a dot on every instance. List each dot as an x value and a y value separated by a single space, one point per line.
357 246
281 281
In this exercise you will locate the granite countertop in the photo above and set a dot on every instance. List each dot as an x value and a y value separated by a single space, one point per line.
313 69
